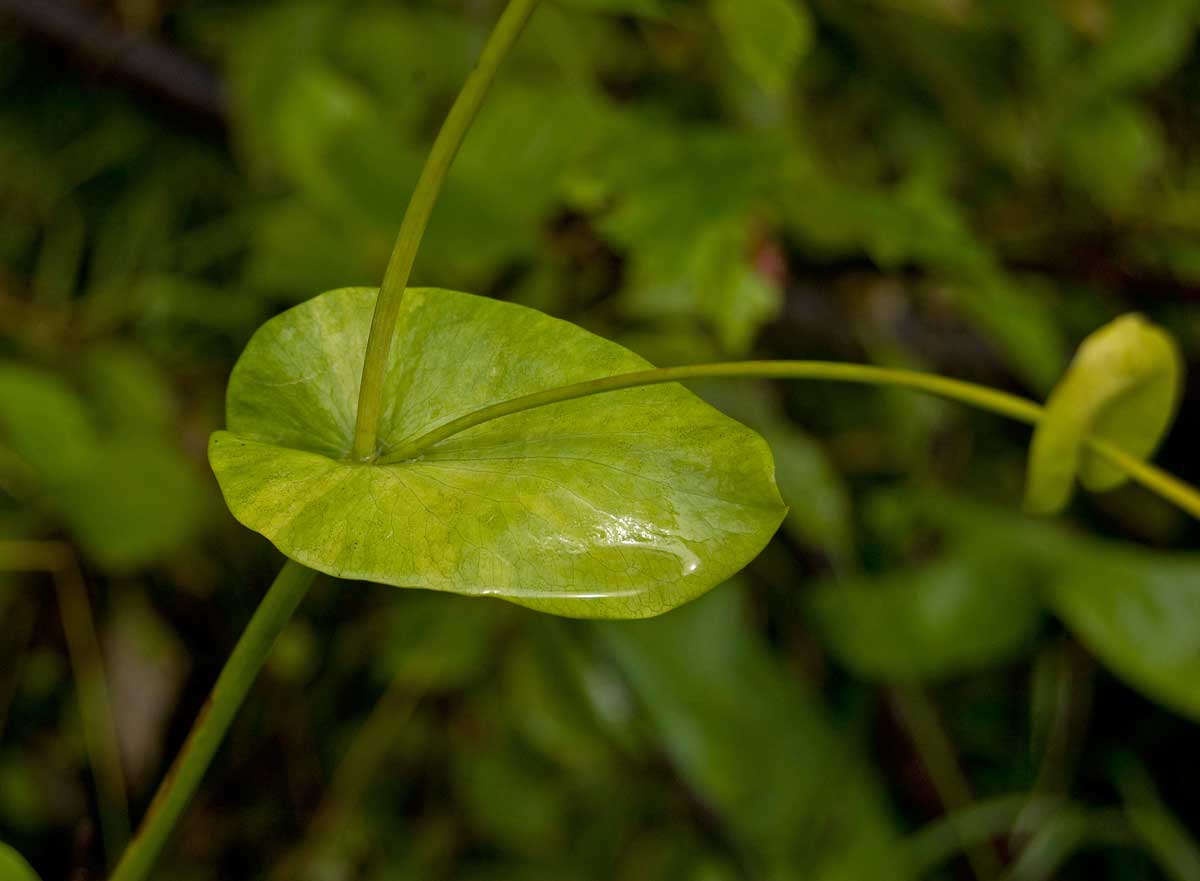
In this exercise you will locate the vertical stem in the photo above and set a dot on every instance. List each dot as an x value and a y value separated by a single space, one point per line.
416 218
359 768
95 708
87 667
14 640
181 782
919 717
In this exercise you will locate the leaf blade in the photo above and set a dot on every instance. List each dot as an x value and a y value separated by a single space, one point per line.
1124 387
623 506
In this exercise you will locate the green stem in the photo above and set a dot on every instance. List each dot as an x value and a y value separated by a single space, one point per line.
374 741
87 667
978 823
979 396
181 782
919 717
416 218
1002 403
95 708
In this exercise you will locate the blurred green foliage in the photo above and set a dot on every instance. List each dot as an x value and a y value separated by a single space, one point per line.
969 186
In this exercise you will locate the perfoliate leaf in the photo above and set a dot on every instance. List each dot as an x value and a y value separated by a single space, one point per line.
1123 386
616 506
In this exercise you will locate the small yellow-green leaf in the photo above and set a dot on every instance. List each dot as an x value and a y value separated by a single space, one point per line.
13 866
1123 386
622 505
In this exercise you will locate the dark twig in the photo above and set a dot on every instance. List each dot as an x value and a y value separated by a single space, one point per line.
146 63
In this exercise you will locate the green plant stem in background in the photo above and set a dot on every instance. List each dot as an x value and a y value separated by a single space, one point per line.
935 749
181 782
360 767
416 218
87 665
992 400
976 824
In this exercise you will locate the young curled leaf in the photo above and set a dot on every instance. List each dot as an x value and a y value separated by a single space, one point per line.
1122 387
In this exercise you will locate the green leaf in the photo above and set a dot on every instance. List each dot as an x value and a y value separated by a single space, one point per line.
1109 150
717 283
562 700
1140 614
1123 386
973 609
623 505
1016 317
128 498
670 184
138 500
645 8
437 643
127 389
757 746
44 421
819 511
509 799
766 38
13 866
1146 41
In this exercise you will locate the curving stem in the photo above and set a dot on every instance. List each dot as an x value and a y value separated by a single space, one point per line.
416 218
239 673
994 401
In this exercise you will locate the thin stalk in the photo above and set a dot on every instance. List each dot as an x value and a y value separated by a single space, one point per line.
359 768
14 640
978 823
981 397
919 717
87 667
833 371
1072 704
181 782
1168 486
416 218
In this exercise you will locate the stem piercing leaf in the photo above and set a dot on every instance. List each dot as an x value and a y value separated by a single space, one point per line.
1122 387
619 506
